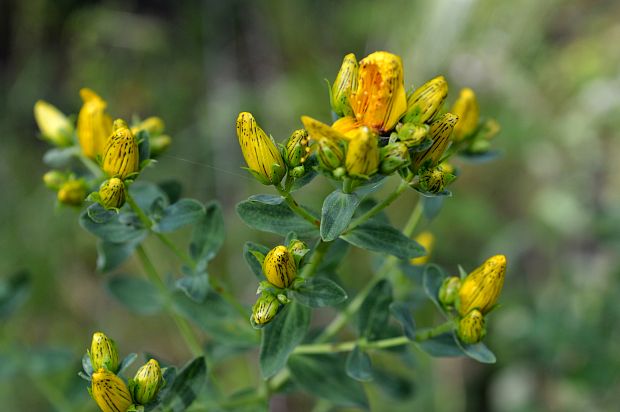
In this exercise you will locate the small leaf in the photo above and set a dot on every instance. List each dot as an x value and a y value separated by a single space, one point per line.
483 157
462 272
59 158
375 311
144 147
126 362
255 265
186 386
338 208
146 194
87 366
402 313
478 351
194 286
112 255
179 214
433 278
370 186
13 293
208 235
317 292
325 377
379 237
441 346
305 179
279 219
172 188
267 199
358 365
432 206
118 229
281 336
138 295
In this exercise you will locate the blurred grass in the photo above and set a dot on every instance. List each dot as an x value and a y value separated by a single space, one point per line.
548 71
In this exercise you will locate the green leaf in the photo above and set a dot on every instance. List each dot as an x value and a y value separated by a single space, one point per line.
136 294
112 255
402 313
306 178
147 194
440 346
478 351
379 237
172 188
126 362
279 219
334 256
186 386
281 336
358 365
318 291
431 206
372 185
119 228
375 311
179 214
194 286
480 157
267 199
14 291
144 147
47 360
252 261
433 278
325 377
208 235
365 206
338 208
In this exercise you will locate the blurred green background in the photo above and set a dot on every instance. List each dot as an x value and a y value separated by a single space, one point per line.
547 70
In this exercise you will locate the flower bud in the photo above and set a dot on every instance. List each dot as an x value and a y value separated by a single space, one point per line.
426 100
298 249
94 125
54 179
112 193
330 154
471 327
449 291
72 192
159 144
279 267
482 287
345 82
362 159
55 127
297 148
440 132
427 241
103 353
110 392
265 309
259 151
412 134
466 108
146 383
393 157
121 156
434 180
153 125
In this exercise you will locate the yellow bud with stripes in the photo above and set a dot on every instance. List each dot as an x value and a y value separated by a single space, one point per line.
434 180
297 148
346 81
94 125
55 127
426 101
279 267
265 309
72 192
147 382
471 327
112 193
103 353
482 287
110 392
467 109
121 157
362 158
440 131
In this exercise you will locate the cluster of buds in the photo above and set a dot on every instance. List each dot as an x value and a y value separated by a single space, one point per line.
108 389
474 297
280 267
111 146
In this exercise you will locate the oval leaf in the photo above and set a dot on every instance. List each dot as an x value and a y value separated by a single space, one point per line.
208 235
183 212
358 365
375 311
279 219
442 345
338 208
186 386
117 229
433 278
138 295
478 351
252 261
112 255
402 313
379 237
194 286
319 291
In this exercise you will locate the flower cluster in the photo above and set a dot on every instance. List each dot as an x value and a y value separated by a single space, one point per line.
113 151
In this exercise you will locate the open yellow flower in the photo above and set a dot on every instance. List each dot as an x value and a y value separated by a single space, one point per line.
94 125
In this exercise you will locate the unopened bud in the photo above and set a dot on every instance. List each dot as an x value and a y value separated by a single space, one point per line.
466 108
153 125
72 192
54 179
440 132
393 157
427 241
482 287
159 144
298 249
434 180
362 159
121 157
412 134
265 309
345 82
471 328
147 382
330 154
103 353
297 148
449 291
112 193
426 100
110 392
94 125
55 127
279 267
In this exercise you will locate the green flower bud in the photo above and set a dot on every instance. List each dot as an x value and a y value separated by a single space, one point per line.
434 180
482 287
449 291
297 148
112 193
393 157
265 309
440 131
362 159
345 82
147 382
120 156
55 127
110 392
72 192
330 154
159 144
426 101
412 134
298 249
279 267
54 179
103 353
471 327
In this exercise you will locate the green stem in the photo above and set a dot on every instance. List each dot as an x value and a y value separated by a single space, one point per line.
378 207
320 250
146 221
295 207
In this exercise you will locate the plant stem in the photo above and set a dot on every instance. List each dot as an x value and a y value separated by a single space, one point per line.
320 250
295 207
378 207
182 324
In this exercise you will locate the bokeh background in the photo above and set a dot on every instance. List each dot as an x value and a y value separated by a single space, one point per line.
548 71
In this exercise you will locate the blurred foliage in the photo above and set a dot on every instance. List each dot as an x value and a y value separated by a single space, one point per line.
548 71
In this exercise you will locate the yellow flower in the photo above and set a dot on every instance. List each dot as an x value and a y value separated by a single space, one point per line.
440 132
471 327
112 193
426 101
72 192
318 130
153 125
53 124
121 157
466 108
362 159
103 353
265 309
94 125
379 100
482 287
259 151
343 85
279 267
146 382
427 241
110 392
